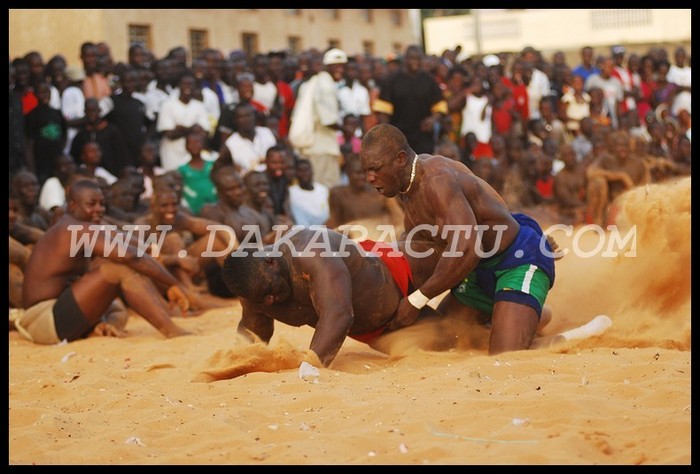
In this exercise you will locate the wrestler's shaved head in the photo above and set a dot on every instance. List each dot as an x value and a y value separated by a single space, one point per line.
385 135
245 276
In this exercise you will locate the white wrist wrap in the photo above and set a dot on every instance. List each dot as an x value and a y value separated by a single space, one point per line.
418 299
435 302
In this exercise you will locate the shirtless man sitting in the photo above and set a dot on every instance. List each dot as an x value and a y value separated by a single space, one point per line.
612 174
67 291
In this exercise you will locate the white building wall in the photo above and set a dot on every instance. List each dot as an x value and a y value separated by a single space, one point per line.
557 29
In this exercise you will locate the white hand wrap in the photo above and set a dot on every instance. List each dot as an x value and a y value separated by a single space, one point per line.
435 302
418 299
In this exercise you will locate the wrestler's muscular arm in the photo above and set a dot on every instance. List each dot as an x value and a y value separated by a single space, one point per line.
445 200
330 288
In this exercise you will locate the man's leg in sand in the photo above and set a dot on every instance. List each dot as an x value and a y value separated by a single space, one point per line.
113 323
96 290
513 327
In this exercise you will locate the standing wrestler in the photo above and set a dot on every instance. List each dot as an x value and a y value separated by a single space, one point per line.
499 272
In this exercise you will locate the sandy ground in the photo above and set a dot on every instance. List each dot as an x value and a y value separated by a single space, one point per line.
436 398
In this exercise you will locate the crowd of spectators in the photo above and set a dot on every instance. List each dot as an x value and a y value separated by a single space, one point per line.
274 138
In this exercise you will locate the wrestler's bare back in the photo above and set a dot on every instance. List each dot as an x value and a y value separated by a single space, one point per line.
375 294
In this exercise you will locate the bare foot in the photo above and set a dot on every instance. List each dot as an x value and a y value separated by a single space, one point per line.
175 331
104 329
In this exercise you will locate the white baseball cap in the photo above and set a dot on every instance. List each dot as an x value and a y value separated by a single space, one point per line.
491 60
335 56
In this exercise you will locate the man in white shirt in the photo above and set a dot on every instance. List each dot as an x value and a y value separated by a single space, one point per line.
307 199
247 146
324 150
179 115
538 86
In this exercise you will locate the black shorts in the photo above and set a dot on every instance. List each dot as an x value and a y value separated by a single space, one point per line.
70 322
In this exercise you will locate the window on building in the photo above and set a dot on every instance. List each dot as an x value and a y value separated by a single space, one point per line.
250 44
367 14
333 43
199 41
396 17
398 48
294 44
294 11
333 13
140 34
368 47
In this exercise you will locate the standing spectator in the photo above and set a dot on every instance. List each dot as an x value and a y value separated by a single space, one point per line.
353 96
412 101
538 87
178 116
611 88
39 73
628 78
96 84
264 89
476 119
46 134
574 106
505 115
159 89
308 200
107 135
455 95
16 139
586 68
679 74
316 114
516 83
69 83
285 94
22 86
128 114
366 78
679 71
664 90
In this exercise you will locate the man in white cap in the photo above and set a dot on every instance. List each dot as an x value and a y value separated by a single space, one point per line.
315 119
